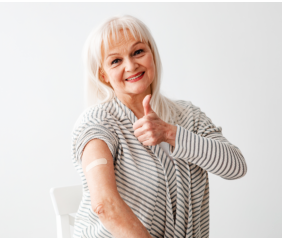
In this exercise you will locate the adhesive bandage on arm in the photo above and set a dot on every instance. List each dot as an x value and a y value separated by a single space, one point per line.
95 163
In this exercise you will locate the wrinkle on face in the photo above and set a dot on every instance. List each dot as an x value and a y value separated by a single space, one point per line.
127 64
119 45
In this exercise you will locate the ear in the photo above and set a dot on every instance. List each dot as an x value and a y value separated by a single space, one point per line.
102 74
105 79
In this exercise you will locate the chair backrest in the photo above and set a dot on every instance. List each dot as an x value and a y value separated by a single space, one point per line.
65 201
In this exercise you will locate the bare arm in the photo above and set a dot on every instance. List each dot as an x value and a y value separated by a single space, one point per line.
114 213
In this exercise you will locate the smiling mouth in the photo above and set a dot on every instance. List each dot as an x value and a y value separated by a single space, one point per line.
140 75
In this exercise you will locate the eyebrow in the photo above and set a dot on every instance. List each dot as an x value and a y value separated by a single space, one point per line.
111 54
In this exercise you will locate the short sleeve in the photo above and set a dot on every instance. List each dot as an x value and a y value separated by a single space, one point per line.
88 129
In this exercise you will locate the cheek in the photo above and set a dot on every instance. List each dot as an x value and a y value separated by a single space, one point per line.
150 65
116 76
149 61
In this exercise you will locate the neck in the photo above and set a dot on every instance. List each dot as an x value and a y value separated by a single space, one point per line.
134 102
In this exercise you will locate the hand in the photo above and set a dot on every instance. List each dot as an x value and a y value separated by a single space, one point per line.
150 129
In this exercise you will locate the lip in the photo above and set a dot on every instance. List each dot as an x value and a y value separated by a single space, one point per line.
136 79
134 75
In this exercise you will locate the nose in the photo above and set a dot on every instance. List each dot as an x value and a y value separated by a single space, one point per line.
131 65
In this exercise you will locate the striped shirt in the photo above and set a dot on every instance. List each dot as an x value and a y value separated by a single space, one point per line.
167 190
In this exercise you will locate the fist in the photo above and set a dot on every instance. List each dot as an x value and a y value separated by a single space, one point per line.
150 129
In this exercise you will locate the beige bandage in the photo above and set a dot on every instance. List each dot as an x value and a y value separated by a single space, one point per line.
95 163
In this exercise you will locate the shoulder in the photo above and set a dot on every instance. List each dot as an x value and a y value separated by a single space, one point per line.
183 103
191 115
186 107
92 123
92 115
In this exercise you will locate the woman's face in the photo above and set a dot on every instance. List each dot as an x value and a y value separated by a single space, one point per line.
125 59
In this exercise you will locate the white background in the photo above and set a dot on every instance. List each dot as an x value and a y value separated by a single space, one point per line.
225 58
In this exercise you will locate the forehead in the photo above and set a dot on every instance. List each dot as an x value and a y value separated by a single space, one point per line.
118 43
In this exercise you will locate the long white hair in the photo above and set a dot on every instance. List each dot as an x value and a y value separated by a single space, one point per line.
98 91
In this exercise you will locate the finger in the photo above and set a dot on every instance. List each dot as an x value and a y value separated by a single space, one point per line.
144 138
139 132
139 123
148 142
146 105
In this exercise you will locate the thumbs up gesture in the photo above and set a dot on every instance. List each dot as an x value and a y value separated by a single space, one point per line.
150 129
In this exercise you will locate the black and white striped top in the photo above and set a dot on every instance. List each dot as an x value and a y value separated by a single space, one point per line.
168 193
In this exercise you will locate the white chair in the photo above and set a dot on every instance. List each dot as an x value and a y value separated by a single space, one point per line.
65 201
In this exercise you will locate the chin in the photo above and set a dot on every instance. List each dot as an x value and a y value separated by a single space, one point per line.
140 89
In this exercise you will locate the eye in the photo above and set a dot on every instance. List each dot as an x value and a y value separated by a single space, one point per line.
139 51
114 61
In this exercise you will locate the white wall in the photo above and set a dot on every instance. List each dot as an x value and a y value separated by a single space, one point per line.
224 57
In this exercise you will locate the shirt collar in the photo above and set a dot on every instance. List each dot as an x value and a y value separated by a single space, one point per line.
126 111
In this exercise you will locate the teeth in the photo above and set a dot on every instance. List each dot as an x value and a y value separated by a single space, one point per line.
134 77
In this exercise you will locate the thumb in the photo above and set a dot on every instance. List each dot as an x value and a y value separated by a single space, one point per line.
146 104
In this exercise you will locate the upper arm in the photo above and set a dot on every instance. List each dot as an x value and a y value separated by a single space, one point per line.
101 178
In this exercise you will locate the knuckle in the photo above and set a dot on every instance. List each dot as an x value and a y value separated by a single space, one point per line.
148 125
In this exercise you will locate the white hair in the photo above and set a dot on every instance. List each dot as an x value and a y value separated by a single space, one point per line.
98 91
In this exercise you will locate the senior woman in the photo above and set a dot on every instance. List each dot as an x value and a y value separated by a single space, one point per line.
150 155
